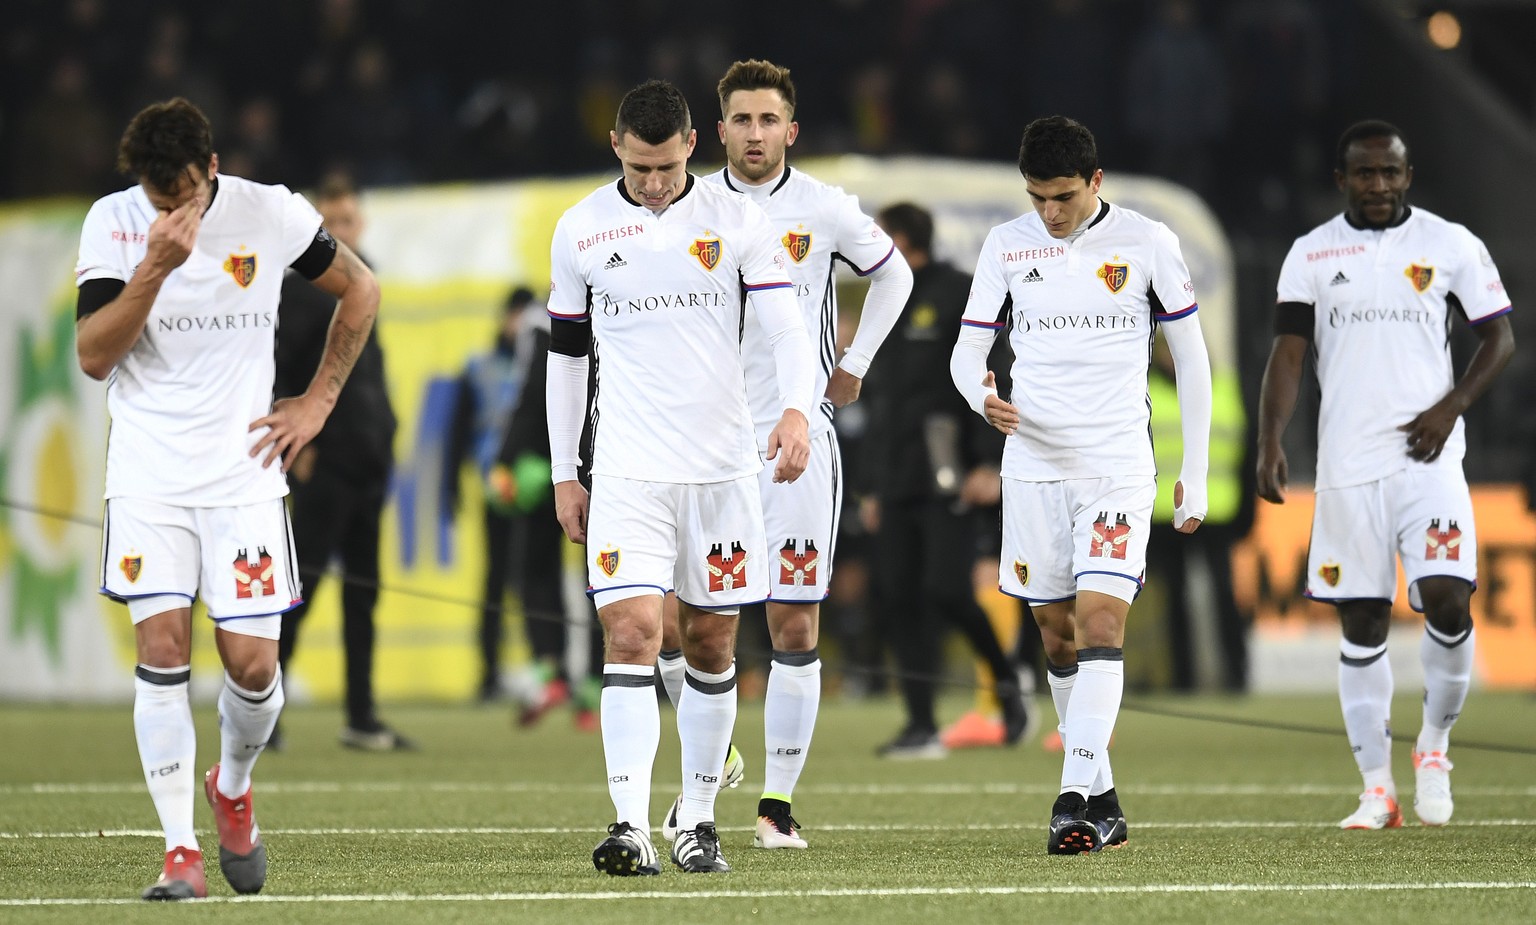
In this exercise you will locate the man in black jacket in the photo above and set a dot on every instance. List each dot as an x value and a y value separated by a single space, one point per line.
338 484
932 467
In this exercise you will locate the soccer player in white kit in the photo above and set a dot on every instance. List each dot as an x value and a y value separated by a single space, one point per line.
1373 292
1082 286
650 275
816 225
178 289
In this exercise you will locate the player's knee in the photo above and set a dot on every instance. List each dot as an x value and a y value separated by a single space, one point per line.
1365 623
1450 614
254 675
793 630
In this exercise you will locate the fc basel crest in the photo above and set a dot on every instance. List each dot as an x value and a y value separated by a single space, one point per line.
132 567
242 267
1330 572
608 561
1115 275
1421 277
797 244
707 250
1021 570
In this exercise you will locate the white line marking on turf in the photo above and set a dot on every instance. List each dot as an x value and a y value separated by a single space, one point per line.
324 787
849 827
1153 888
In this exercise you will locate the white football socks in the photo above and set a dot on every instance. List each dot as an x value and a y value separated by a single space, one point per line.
789 719
631 724
162 723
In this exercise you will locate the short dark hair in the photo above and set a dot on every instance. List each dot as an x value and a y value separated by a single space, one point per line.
335 185
163 140
653 112
518 299
756 74
1369 128
911 221
1056 146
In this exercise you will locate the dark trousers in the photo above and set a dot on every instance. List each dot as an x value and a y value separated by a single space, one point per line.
1168 558
493 591
336 514
523 552
922 563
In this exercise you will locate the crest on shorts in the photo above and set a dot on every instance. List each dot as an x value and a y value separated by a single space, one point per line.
797 244
1021 572
253 577
132 567
707 250
1115 275
1330 572
727 570
1109 536
1421 277
798 568
242 267
608 561
1443 545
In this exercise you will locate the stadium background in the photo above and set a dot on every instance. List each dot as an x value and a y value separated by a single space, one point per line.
473 125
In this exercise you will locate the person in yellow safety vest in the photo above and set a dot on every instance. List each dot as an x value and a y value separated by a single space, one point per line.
1229 519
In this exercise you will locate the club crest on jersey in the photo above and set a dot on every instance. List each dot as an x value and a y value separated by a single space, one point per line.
608 561
1115 275
727 570
797 245
1109 536
1444 545
1331 572
133 567
253 578
1421 277
707 250
1021 572
798 569
242 267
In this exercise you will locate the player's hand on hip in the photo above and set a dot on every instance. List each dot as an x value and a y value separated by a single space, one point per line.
291 425
843 387
1000 414
790 444
1272 472
1428 432
172 235
1187 518
571 509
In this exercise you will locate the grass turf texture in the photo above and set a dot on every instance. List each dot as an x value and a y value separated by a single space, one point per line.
1230 821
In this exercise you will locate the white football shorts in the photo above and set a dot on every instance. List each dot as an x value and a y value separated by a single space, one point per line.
239 560
703 540
1074 535
1421 515
800 520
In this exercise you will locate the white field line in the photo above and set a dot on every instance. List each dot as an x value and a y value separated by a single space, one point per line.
670 895
848 827
958 789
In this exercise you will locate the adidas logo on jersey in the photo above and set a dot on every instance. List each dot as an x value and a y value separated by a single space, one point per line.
615 262
1033 276
1339 279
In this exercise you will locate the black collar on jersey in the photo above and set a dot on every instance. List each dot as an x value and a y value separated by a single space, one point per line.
726 173
1407 211
1103 211
213 192
687 188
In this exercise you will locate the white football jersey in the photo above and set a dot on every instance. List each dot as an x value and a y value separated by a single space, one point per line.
1381 332
1081 314
665 295
815 224
184 395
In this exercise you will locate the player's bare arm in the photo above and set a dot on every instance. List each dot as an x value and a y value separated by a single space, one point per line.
571 509
103 337
843 387
1277 402
790 444
1427 432
294 422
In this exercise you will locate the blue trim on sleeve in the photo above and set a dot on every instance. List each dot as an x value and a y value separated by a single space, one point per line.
989 325
1498 314
1182 313
880 263
759 287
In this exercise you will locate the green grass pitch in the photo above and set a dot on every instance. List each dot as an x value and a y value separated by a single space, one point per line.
1232 802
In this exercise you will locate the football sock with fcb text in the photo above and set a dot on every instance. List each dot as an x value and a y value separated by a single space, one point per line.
631 724
706 714
162 723
1091 715
1060 680
1447 674
789 718
1365 696
246 720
